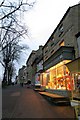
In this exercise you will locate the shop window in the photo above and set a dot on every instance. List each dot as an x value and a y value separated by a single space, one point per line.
60 78
76 77
53 79
68 81
44 79
48 78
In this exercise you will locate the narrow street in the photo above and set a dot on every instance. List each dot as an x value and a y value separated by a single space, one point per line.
23 102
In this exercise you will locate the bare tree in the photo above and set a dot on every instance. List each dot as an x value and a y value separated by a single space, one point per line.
12 31
8 8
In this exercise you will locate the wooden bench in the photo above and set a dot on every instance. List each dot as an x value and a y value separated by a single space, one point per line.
55 98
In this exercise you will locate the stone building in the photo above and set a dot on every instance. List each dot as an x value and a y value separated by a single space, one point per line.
62 47
37 66
30 70
34 58
22 75
56 65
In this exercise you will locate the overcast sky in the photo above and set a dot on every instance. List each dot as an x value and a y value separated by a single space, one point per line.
41 20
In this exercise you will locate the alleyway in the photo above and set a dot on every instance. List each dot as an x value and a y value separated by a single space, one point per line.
24 102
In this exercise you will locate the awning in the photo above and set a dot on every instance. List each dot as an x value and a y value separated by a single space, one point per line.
74 66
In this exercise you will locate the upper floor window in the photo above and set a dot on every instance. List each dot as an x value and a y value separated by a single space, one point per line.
52 44
60 30
46 57
52 51
61 43
52 41
46 49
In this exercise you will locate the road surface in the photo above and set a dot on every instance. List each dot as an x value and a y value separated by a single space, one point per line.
23 102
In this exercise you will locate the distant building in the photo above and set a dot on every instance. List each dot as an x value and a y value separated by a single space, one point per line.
22 75
33 66
37 66
30 70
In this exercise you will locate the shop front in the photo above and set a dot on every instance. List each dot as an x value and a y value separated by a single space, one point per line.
57 78
74 68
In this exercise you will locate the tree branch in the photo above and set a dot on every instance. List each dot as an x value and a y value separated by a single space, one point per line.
16 8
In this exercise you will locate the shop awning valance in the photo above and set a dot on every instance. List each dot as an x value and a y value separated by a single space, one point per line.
74 66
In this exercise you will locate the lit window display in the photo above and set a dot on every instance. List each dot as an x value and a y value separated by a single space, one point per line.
44 81
76 89
58 77
41 79
53 78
